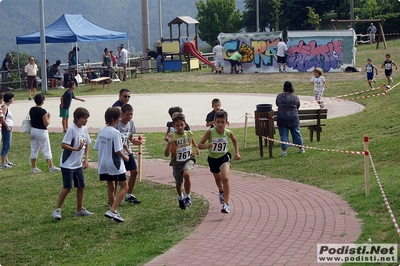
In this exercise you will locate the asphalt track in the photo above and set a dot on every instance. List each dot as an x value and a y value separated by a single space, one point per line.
151 110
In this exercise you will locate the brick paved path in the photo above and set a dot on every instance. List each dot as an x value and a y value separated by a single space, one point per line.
272 221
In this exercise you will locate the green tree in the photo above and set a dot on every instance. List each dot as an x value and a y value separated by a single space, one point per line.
313 18
216 16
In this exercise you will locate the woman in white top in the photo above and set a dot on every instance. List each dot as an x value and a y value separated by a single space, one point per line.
6 130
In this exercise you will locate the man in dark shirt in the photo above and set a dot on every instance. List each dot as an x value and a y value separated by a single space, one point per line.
156 56
124 95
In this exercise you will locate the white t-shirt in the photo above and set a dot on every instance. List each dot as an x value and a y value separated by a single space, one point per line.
126 131
31 70
123 56
73 137
108 143
281 47
217 50
1 115
8 117
318 83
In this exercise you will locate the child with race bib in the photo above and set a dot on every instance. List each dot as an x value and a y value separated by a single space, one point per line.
319 85
180 145
219 159
369 69
127 128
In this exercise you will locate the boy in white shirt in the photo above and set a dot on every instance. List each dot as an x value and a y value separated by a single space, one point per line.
74 144
319 85
111 165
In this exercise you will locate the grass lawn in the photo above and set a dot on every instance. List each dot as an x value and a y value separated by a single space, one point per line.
31 237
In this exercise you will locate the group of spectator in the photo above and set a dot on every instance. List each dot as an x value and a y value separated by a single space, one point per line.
109 59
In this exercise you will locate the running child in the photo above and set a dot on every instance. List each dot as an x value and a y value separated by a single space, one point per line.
180 145
74 144
173 111
66 100
388 66
369 69
319 85
127 128
219 159
219 58
111 165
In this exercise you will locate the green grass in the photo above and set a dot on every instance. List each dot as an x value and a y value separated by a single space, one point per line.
31 237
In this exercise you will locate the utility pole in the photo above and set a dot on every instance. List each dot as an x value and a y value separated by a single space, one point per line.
258 15
145 31
43 47
352 12
159 19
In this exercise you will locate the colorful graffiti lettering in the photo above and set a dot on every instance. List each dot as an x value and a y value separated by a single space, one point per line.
307 56
304 53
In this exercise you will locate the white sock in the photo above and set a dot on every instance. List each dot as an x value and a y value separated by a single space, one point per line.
128 195
188 195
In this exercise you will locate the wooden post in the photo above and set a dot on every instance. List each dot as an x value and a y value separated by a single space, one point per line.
366 166
140 158
245 129
386 100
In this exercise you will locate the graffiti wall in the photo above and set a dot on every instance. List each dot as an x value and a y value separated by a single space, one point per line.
329 50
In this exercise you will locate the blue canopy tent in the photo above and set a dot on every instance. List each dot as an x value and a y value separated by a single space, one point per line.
71 28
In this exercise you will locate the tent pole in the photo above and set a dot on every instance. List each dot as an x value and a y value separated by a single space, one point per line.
129 63
19 69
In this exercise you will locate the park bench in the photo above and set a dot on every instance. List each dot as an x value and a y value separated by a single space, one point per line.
101 79
265 125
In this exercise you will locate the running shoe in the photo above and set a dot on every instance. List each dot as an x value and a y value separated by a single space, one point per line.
83 212
225 208
182 204
56 214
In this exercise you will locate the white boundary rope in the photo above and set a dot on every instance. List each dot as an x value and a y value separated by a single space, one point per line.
384 196
314 148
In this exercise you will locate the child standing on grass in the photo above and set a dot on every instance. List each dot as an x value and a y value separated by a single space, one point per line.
127 128
219 159
173 111
182 161
66 100
319 85
219 58
388 66
369 69
111 165
74 144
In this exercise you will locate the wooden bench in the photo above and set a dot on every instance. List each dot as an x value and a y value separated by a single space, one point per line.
101 79
265 123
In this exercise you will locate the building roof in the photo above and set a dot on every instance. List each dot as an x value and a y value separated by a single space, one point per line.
183 19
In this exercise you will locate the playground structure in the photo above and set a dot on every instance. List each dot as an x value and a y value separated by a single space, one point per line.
184 47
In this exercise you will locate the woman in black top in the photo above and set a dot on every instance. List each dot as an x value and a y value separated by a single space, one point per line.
40 119
288 117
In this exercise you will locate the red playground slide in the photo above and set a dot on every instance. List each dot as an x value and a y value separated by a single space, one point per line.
189 47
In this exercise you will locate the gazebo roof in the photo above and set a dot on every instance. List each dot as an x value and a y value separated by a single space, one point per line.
183 19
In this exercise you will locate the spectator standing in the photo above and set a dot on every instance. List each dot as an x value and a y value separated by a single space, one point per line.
123 57
6 130
281 49
113 59
31 70
72 58
40 120
288 117
156 56
371 31
105 58
74 144
6 66
219 58
124 96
